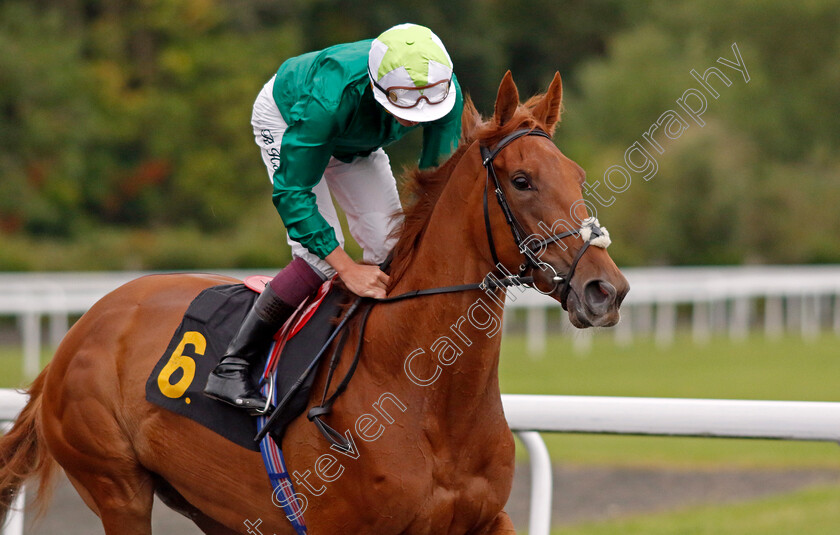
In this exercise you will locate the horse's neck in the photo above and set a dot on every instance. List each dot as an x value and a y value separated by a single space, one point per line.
458 333
447 254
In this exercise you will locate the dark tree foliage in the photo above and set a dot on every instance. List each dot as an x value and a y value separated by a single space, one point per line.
121 114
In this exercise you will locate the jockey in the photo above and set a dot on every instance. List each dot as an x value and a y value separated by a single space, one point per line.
321 123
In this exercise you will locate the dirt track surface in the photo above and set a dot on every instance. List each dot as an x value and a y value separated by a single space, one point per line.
582 494
579 494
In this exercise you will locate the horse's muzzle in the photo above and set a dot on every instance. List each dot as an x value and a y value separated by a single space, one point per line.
596 303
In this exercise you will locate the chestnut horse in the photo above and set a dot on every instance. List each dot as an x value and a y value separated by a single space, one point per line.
431 450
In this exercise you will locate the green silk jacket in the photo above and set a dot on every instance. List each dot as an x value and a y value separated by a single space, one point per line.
326 99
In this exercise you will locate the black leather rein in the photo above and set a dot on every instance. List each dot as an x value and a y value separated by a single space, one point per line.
519 234
491 282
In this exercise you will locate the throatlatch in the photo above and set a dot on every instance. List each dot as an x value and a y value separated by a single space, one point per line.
590 231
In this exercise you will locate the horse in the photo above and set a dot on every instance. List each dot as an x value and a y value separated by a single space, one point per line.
430 449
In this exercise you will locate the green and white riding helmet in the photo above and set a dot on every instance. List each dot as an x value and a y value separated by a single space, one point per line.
411 73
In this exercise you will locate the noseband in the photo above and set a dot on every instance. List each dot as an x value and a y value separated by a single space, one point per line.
590 231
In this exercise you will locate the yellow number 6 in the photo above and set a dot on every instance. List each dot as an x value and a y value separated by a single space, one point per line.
180 361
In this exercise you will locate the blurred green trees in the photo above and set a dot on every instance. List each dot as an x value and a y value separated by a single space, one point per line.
760 182
125 138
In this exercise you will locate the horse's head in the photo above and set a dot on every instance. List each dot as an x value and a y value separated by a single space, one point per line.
547 232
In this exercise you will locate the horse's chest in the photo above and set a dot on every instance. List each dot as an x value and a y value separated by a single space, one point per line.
462 507
454 491
417 476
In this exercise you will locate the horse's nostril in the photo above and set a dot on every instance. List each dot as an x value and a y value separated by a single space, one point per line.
598 296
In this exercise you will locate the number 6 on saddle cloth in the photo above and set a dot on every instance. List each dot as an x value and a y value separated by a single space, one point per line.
212 319
177 381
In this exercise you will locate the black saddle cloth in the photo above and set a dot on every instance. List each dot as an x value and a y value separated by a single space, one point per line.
212 319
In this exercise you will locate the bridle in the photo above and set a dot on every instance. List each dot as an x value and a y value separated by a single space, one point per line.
590 229
590 232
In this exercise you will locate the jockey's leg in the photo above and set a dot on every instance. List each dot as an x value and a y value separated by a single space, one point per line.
367 192
230 381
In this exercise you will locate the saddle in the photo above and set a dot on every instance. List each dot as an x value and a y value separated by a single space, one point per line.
176 383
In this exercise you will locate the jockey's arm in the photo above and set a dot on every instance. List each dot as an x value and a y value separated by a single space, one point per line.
304 154
440 138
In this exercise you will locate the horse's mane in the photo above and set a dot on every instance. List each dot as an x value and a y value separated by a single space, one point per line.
423 188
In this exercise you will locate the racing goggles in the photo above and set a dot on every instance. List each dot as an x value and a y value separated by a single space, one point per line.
409 97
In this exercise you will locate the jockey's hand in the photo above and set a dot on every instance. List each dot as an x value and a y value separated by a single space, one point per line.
361 279
365 281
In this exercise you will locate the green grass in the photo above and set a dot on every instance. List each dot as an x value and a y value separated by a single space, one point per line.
11 366
754 369
814 512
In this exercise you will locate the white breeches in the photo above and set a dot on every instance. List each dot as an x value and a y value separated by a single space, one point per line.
364 188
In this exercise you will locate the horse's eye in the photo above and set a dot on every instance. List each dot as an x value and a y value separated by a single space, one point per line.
521 182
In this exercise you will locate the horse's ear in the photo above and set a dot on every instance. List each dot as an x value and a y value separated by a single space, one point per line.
548 109
470 119
506 101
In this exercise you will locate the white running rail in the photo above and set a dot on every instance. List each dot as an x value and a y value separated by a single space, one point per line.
717 299
528 415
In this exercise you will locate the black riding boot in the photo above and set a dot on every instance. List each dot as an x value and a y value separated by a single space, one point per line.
231 382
